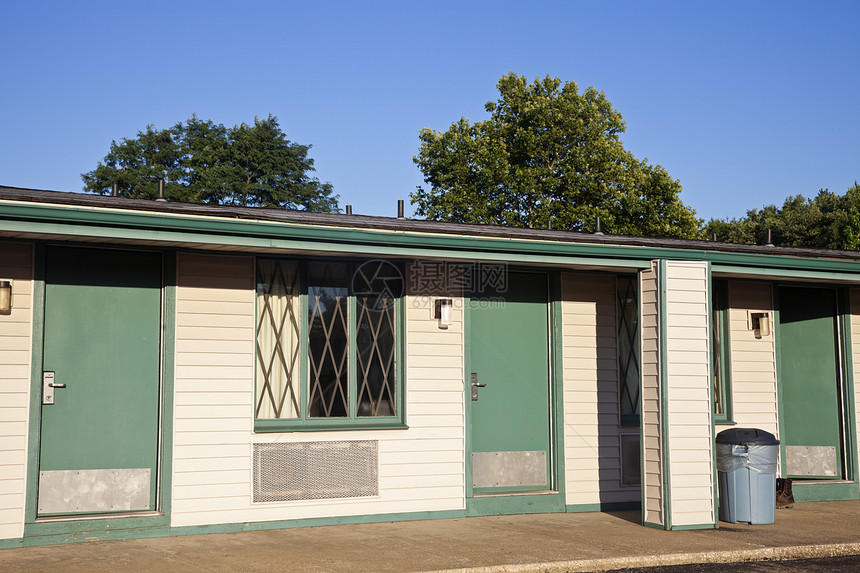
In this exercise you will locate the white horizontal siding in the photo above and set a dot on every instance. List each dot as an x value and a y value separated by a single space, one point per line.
420 469
16 264
690 442
752 360
855 354
688 393
650 406
592 445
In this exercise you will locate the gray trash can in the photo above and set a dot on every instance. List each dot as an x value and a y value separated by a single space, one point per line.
746 468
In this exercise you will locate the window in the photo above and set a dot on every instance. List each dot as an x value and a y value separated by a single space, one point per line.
627 291
720 351
328 344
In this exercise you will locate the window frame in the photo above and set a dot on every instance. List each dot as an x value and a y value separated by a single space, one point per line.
352 421
721 327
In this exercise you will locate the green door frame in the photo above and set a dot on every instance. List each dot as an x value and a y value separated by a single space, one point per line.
155 524
520 503
849 489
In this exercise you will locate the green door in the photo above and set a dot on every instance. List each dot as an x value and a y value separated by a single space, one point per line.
99 439
510 407
809 382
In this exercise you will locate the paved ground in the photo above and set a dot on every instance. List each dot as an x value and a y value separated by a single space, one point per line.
547 543
849 564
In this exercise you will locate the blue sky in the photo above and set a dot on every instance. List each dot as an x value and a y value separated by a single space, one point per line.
744 102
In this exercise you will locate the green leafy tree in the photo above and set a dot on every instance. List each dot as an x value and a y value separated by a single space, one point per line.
204 162
827 221
548 155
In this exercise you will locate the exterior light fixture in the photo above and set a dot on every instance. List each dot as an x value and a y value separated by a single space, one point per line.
5 297
760 324
443 312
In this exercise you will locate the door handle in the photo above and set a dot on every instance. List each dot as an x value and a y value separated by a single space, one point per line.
48 386
475 386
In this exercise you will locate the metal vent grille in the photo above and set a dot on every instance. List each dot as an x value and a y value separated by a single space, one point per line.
631 469
315 470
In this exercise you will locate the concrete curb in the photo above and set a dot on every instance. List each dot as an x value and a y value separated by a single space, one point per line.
730 556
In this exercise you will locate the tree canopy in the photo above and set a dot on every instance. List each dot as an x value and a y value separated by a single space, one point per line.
547 156
827 221
204 162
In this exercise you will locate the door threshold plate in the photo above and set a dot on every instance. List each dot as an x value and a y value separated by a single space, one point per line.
516 493
88 516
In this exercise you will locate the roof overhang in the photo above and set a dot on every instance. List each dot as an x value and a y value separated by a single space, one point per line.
54 216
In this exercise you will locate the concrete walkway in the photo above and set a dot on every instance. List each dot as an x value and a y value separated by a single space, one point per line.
546 543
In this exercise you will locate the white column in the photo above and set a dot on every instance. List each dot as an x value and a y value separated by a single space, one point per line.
678 446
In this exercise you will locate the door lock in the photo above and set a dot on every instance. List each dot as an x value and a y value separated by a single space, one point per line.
475 386
48 386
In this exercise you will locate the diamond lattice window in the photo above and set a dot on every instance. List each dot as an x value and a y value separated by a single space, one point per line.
328 348
328 340
720 351
278 336
628 347
375 351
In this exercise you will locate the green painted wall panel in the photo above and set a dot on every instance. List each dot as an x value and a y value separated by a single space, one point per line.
509 333
825 491
102 339
808 371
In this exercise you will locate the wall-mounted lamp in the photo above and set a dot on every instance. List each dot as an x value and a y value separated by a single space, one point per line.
443 312
760 324
5 297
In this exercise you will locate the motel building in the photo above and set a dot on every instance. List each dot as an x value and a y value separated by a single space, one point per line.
170 368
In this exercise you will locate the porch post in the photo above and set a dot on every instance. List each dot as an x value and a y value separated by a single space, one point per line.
677 425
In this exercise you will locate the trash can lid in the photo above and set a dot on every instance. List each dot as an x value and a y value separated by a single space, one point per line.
747 437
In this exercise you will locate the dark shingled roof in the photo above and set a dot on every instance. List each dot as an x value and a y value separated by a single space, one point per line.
396 224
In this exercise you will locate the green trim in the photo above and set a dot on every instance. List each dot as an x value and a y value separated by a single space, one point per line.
777 355
788 266
92 527
168 357
825 491
314 238
604 506
664 394
849 406
35 423
693 527
56 533
847 275
467 386
515 504
714 477
556 373
315 522
327 425
13 543
159 227
84 535
53 533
